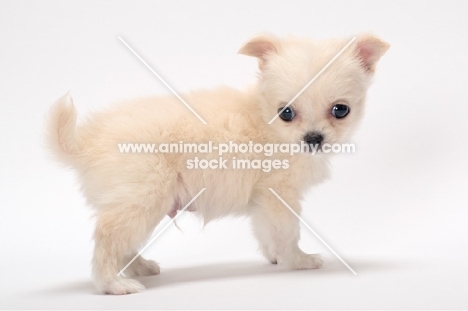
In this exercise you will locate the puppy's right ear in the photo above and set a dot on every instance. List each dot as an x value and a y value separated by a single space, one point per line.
369 49
261 47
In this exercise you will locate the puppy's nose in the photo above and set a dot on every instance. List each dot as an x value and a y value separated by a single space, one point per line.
313 138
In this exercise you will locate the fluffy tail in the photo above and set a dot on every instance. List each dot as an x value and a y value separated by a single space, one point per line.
61 137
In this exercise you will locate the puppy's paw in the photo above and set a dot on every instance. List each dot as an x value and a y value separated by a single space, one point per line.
121 286
307 261
269 256
149 267
142 267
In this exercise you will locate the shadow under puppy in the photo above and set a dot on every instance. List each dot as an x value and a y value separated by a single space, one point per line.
132 192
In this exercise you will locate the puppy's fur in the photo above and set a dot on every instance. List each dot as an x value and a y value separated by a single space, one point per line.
131 193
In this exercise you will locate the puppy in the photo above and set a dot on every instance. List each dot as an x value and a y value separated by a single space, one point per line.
132 192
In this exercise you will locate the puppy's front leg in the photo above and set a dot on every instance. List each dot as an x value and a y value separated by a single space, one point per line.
277 231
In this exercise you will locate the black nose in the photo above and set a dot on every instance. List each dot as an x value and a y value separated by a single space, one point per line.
313 138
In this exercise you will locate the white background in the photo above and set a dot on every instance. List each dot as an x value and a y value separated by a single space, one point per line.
396 210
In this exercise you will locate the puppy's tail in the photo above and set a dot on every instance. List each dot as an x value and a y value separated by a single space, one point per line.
61 136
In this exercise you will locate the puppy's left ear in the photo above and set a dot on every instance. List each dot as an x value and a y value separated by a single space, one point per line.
369 49
261 47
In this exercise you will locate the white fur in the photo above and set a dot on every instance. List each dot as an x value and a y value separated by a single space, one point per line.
131 193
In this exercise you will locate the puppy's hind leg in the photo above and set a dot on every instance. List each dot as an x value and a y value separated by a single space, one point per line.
141 266
119 231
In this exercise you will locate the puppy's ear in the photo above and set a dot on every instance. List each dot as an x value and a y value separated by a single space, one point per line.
369 49
261 47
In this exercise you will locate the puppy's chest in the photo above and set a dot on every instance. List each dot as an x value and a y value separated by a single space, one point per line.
306 172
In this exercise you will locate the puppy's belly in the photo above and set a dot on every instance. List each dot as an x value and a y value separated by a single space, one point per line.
177 206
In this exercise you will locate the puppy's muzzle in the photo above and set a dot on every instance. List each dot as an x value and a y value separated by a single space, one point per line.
314 139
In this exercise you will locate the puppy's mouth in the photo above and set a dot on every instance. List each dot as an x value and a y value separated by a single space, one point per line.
314 148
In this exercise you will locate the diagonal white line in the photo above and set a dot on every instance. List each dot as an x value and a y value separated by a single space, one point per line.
314 78
161 231
313 231
161 79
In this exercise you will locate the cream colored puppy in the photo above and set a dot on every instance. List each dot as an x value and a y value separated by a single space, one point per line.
132 192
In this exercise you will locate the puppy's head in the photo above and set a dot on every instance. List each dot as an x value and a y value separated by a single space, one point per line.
329 107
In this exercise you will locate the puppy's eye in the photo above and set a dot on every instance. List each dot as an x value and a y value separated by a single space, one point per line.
288 114
340 111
